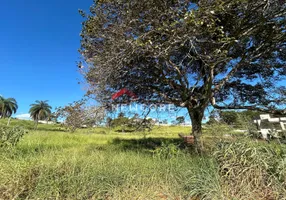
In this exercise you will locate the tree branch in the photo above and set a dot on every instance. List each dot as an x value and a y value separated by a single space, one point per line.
228 76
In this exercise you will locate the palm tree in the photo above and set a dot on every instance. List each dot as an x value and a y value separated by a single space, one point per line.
40 110
8 107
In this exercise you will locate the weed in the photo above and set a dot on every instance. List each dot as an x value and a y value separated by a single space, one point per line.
10 136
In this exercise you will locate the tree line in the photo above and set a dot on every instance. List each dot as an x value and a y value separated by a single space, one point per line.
74 115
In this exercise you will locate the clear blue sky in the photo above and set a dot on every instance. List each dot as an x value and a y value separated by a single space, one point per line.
38 50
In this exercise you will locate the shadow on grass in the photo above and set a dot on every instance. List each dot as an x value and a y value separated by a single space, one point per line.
55 129
146 143
125 131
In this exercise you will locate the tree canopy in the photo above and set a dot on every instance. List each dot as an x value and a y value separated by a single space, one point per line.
233 118
79 114
180 120
8 106
40 110
226 53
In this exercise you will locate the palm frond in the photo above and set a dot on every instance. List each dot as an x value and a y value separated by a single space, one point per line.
40 110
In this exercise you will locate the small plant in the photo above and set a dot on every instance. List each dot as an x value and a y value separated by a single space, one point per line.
10 136
281 136
167 151
253 133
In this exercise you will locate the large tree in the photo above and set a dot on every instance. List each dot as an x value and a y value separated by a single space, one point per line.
40 110
226 53
8 106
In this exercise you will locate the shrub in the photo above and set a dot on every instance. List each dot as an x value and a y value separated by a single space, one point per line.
10 136
167 151
240 120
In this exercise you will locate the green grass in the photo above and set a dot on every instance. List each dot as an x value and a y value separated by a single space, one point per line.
100 163
94 164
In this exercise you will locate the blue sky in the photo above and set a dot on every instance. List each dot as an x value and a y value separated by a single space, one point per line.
38 51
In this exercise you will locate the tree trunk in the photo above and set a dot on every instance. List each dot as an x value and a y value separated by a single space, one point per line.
196 118
36 124
8 123
3 112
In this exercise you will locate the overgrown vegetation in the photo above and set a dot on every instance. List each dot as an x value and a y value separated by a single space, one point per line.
52 163
10 136
252 171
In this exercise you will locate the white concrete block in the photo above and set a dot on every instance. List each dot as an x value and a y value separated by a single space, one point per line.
265 116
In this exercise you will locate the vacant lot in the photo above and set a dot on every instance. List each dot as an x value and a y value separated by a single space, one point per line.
100 163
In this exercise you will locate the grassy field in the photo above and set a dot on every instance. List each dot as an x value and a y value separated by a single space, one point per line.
100 163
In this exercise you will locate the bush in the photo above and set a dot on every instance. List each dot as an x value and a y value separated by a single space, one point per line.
10 136
239 120
167 151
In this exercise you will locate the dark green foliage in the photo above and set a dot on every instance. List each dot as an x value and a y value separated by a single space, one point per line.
236 119
228 54
180 120
167 151
229 117
147 144
8 107
40 110
134 123
10 136
121 115
120 121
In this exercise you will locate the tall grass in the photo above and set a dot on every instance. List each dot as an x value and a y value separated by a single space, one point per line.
96 171
252 171
91 164
100 163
